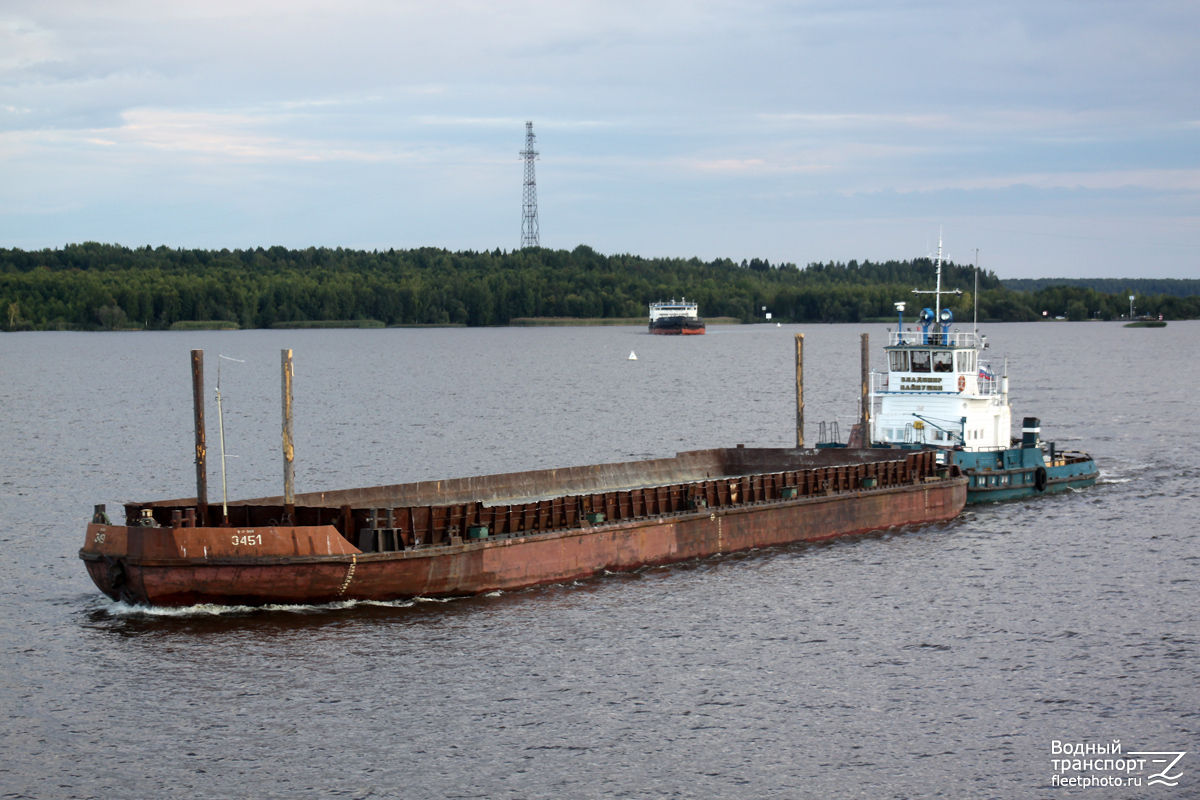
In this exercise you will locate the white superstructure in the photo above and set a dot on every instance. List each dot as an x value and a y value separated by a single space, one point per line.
680 308
938 390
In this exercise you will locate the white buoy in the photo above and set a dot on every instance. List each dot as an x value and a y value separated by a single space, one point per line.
632 356
778 324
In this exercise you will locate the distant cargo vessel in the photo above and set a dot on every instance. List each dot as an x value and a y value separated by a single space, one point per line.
676 318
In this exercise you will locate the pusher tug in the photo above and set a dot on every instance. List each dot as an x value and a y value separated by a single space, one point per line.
938 393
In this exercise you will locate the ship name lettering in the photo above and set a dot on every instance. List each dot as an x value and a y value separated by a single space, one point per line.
921 384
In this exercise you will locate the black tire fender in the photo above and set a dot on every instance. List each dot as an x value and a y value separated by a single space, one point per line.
1040 479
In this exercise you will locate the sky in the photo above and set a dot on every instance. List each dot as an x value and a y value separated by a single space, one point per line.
1056 138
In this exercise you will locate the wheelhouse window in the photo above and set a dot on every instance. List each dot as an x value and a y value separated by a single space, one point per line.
943 361
920 361
899 360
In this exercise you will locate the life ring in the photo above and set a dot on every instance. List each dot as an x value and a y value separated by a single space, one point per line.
1039 479
962 382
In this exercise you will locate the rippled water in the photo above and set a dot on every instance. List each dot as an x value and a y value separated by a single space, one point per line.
933 662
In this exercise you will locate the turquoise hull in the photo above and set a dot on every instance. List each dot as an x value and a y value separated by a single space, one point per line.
1020 472
1014 473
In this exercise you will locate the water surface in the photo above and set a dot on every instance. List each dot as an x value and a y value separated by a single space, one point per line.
939 661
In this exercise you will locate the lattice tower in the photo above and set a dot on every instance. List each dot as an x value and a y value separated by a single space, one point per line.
530 237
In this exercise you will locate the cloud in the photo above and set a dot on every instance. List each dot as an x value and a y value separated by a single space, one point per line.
23 45
873 107
219 136
1158 180
992 122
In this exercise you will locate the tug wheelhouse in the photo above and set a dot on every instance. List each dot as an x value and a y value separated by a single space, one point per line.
939 391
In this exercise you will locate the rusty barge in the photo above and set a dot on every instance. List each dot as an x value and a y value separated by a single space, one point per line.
474 535
502 532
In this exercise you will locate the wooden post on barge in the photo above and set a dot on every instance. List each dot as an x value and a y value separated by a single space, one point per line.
289 454
799 390
201 447
865 421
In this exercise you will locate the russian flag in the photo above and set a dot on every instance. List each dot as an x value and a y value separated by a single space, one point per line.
986 374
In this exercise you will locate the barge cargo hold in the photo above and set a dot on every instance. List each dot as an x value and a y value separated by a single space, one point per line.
502 532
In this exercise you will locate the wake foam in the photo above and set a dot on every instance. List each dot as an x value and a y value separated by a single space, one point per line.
120 609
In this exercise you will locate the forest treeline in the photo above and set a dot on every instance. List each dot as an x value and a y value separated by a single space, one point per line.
93 285
1179 287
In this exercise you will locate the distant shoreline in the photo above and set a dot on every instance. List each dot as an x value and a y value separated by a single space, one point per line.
552 322
107 286
527 322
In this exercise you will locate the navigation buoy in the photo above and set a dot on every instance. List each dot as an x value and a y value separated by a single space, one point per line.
778 324
632 356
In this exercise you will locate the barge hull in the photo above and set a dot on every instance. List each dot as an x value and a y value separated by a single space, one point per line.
677 326
274 564
475 568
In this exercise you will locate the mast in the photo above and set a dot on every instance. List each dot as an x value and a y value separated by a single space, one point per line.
937 311
864 421
938 292
289 451
975 296
799 390
221 429
201 446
